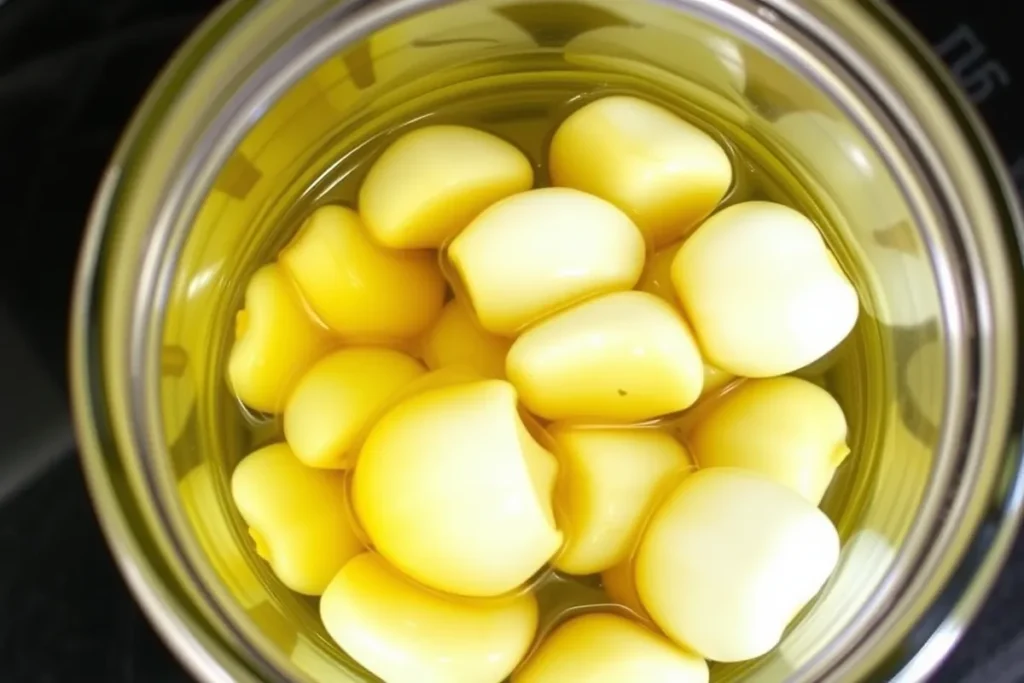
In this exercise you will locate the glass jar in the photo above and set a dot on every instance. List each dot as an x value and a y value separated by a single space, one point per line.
259 106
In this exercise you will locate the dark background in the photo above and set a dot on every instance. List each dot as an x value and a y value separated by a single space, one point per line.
71 72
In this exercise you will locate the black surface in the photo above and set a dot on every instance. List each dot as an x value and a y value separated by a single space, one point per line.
65 614
70 73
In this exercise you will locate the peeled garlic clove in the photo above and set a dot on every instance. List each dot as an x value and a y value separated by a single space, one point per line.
729 559
865 562
657 276
619 585
213 527
297 516
715 379
403 633
453 490
454 375
788 429
360 290
430 183
665 173
275 341
657 280
540 251
457 339
607 648
611 479
334 401
623 357
763 292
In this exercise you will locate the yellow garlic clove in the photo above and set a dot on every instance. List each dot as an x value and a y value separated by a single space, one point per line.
454 491
729 559
865 561
715 379
619 585
331 406
607 648
403 633
786 428
430 183
297 516
213 527
454 375
360 290
657 280
457 339
612 477
665 173
275 341
657 275
540 251
623 357
763 292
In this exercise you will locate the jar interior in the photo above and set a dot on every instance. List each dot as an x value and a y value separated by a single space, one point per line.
515 68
